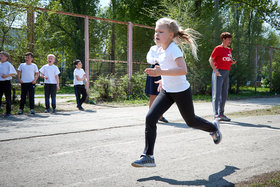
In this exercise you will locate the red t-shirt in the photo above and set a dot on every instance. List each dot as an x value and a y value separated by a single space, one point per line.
222 57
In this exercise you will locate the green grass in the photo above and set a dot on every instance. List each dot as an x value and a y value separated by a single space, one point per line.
264 180
39 108
63 90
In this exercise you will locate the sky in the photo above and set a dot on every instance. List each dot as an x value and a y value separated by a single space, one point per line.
107 2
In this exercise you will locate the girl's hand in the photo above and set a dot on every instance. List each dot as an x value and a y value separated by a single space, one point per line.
233 62
153 72
57 87
45 77
159 86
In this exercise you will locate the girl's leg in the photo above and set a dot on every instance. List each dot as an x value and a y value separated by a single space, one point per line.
152 98
84 94
161 104
185 105
77 95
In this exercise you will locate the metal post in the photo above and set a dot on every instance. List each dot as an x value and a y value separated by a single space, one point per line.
87 53
30 29
129 55
270 75
256 68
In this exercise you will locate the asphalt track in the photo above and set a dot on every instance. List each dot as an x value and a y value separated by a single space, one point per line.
96 147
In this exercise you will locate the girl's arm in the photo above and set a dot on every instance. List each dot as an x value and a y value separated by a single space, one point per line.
181 69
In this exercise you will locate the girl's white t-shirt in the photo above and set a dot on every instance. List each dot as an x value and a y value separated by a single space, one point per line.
50 72
166 59
27 72
152 55
80 73
6 68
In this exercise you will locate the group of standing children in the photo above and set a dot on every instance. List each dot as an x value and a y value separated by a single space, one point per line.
28 74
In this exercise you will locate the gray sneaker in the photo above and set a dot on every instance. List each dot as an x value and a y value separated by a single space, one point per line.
144 161
217 135
223 118
32 111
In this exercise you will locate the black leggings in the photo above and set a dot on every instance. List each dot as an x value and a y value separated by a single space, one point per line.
161 104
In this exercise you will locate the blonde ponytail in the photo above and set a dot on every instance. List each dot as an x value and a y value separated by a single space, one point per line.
187 36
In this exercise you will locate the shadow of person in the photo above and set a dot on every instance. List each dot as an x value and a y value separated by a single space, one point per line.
250 125
216 179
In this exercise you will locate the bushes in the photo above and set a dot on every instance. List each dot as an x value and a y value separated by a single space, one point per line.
113 88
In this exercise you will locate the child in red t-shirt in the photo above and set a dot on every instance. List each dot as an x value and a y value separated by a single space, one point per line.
220 61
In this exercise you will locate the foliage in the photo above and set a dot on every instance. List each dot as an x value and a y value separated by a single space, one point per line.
111 88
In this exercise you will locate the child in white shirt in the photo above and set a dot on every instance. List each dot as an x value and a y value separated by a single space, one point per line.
79 86
27 76
175 87
50 74
7 70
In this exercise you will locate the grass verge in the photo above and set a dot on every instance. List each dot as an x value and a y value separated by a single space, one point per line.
271 179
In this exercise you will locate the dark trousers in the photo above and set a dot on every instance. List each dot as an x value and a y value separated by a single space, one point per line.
50 90
161 104
30 88
5 88
80 90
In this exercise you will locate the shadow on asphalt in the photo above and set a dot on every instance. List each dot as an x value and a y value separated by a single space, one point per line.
23 117
178 125
216 179
250 125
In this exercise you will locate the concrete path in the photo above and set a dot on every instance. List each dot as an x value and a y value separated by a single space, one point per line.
96 147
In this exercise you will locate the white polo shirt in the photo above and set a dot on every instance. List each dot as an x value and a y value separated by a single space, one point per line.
152 55
80 73
6 68
167 58
50 72
28 72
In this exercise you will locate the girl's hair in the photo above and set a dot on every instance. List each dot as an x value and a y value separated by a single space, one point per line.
76 62
181 36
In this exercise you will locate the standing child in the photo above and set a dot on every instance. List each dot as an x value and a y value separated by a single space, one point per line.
7 70
50 74
27 76
220 61
175 87
151 88
79 86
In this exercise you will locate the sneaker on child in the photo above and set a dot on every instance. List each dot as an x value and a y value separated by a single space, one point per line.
144 161
217 135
